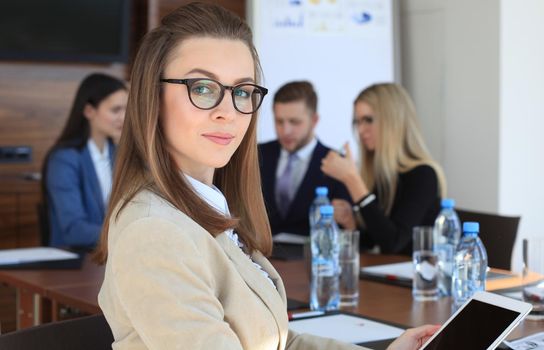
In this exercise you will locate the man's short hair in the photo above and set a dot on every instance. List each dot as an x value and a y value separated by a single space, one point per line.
297 91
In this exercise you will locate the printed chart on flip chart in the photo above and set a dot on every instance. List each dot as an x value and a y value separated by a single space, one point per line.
341 46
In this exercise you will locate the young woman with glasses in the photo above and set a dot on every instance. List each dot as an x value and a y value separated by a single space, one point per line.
399 185
187 232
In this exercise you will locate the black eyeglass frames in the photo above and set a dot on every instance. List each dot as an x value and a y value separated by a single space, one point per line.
205 93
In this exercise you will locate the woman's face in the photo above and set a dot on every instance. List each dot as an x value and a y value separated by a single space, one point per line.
106 119
202 140
364 120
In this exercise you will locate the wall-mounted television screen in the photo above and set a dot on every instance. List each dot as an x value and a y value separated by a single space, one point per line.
65 30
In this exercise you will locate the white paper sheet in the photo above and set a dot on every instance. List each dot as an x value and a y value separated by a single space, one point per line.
347 328
534 342
405 271
402 270
26 255
290 238
514 295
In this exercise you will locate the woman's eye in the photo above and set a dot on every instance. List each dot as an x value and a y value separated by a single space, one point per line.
201 89
363 120
242 92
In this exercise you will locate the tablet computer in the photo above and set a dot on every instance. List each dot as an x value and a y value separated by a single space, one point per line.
481 323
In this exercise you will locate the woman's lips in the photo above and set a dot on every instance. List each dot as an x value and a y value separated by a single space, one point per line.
219 138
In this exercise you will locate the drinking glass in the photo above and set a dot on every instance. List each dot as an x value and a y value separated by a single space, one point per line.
425 262
348 241
533 266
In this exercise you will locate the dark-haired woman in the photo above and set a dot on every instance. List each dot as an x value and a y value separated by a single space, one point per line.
77 172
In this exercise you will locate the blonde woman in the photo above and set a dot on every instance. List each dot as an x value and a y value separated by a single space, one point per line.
187 232
399 185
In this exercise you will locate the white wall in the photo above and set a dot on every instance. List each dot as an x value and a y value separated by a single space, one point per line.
471 103
450 67
521 147
422 66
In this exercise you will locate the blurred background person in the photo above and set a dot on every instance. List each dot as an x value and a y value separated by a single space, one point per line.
399 185
77 171
290 165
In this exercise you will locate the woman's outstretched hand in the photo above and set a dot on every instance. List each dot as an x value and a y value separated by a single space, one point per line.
344 170
338 167
413 338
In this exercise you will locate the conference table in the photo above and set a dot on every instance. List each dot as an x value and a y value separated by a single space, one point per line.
40 292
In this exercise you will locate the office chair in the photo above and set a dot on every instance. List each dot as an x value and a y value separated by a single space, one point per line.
43 223
85 333
498 233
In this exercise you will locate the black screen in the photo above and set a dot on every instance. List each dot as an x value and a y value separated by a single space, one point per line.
476 327
68 30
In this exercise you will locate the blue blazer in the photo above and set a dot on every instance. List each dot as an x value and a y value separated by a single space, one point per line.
74 198
296 220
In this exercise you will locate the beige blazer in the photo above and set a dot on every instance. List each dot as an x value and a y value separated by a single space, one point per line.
169 284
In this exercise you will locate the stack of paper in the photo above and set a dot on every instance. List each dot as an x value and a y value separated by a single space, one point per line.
32 255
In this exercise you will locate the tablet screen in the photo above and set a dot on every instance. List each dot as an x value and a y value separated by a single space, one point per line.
476 327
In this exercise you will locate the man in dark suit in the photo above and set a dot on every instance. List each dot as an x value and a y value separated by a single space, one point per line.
290 165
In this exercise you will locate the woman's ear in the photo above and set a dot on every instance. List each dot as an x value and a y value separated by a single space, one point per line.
89 111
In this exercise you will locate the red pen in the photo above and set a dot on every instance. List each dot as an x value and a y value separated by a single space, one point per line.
391 277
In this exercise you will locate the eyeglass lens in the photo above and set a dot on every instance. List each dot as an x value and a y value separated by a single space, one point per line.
207 94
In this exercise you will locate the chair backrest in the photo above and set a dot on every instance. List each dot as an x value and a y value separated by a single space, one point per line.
85 333
498 233
43 222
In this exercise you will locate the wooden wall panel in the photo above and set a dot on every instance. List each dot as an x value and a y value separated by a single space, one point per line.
34 103
236 6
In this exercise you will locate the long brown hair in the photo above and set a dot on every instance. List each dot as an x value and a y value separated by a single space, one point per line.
143 161
400 146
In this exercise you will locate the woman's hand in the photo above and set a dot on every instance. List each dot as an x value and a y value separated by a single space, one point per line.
338 167
344 169
413 338
343 214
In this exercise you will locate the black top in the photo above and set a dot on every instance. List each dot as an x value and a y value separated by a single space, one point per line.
296 220
417 203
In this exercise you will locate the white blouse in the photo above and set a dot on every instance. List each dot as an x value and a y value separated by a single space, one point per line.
213 196
102 167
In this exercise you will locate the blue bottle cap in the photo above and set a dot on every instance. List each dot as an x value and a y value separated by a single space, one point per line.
471 227
326 210
448 203
321 191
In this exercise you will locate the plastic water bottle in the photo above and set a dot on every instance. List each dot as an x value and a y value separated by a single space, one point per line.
470 265
320 199
447 232
324 290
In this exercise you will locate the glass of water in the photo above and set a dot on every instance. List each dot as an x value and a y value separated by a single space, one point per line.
533 269
349 264
425 262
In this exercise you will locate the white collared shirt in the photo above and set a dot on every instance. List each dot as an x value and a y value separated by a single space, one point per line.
300 166
213 196
102 167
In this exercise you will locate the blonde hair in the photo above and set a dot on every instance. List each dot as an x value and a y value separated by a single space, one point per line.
143 161
400 146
